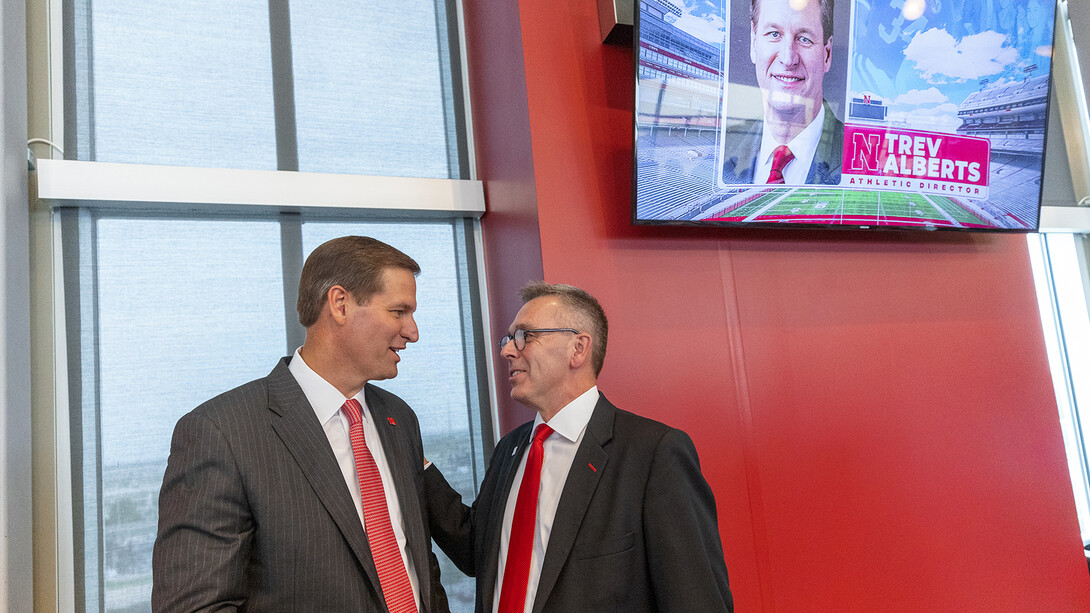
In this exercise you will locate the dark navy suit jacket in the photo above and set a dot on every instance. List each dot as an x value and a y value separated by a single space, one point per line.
635 529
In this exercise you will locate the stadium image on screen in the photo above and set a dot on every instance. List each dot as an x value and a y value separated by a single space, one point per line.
933 114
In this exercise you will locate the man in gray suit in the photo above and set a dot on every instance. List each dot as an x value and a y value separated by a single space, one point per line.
587 507
261 507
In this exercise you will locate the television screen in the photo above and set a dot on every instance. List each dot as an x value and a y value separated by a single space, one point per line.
922 114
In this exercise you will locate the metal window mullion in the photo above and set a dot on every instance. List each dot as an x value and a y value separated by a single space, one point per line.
448 38
70 266
291 258
480 424
283 84
81 320
78 59
90 220
1065 362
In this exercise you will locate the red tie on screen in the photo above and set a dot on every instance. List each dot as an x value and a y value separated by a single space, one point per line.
392 576
780 157
516 571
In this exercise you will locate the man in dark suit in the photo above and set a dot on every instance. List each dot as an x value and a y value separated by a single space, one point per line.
302 491
799 140
587 507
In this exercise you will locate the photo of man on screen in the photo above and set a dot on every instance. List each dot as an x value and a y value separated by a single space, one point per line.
800 140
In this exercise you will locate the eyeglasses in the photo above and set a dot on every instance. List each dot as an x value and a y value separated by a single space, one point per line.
520 336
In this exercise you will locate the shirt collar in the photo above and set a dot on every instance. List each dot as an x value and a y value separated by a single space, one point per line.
574 417
803 145
325 399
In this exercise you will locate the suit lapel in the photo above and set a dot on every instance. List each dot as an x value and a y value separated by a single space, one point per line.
488 572
830 150
305 439
399 457
578 490
741 152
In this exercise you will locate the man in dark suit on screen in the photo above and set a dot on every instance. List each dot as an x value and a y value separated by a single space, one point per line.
301 491
587 507
800 140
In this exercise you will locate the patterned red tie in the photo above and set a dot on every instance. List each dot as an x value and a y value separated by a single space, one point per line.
516 571
392 576
780 157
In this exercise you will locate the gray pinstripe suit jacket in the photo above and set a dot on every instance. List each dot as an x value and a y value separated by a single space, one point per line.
254 513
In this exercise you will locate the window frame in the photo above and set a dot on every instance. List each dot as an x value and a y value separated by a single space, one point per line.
1069 219
1059 342
86 481
64 183
57 185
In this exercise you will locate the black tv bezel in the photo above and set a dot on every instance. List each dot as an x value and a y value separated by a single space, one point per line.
851 227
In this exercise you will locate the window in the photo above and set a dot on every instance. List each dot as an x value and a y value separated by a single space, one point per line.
325 86
166 312
166 306
1060 266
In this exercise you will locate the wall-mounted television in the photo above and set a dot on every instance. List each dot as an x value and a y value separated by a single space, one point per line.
881 114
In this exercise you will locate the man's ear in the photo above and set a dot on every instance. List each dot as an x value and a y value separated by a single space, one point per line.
828 54
583 344
753 44
336 303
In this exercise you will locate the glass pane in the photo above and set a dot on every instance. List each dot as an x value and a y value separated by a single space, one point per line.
432 376
181 83
174 311
186 310
1062 294
1069 275
368 86
369 93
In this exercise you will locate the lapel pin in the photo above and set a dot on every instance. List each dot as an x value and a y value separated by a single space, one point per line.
515 450
391 420
592 467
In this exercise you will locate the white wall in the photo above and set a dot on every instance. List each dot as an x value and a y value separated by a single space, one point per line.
16 593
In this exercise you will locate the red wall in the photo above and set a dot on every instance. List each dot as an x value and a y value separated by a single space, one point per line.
873 411
501 134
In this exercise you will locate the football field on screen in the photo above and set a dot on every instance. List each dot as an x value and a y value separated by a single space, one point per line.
840 206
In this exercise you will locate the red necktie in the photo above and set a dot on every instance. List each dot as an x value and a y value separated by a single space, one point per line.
392 576
516 571
780 157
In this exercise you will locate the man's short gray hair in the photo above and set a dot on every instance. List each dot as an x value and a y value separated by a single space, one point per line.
585 309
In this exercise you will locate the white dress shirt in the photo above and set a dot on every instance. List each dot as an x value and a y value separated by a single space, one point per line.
569 425
803 147
326 402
